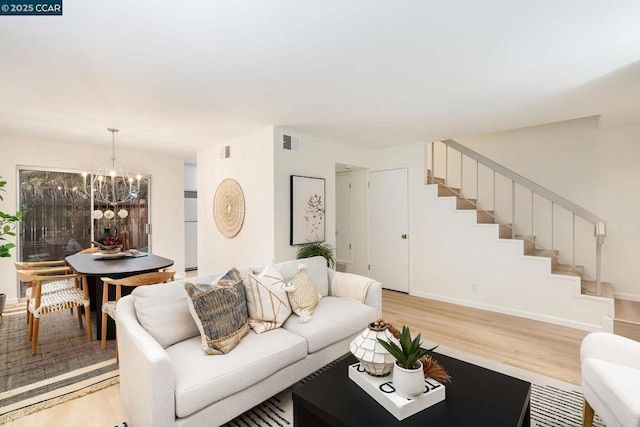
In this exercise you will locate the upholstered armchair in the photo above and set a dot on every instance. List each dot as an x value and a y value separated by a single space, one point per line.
611 379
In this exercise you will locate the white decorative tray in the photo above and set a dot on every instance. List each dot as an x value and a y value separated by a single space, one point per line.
381 389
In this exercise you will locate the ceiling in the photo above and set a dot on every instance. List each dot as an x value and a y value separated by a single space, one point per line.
174 76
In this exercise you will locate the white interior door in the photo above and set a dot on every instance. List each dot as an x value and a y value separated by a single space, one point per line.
344 215
388 228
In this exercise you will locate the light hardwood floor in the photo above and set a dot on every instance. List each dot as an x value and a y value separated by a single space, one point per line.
535 346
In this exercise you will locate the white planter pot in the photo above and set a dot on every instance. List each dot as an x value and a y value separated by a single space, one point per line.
409 383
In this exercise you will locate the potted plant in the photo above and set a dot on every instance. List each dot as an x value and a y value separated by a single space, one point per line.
7 227
408 376
323 249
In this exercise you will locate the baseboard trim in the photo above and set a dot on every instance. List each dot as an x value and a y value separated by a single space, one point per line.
627 297
606 327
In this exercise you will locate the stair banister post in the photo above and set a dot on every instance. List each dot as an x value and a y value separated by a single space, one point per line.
461 169
552 220
532 213
433 167
600 232
478 186
513 209
446 165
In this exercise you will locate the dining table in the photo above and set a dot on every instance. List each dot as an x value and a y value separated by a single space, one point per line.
96 265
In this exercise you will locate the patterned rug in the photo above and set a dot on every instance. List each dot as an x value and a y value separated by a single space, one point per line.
66 366
553 403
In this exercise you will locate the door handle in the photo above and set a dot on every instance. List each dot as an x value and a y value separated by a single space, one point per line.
404 236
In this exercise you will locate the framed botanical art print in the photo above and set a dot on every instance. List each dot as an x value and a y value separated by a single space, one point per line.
307 210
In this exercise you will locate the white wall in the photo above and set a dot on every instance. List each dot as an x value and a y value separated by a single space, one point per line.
190 178
317 158
593 167
167 215
252 165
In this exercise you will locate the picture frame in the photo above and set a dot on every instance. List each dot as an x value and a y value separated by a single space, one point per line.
307 213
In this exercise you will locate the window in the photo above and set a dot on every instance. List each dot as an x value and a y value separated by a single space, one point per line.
58 215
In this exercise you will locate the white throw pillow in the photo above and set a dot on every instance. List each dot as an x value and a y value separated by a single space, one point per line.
163 311
267 300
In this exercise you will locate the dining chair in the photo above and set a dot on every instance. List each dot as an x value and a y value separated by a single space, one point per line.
109 306
77 296
46 268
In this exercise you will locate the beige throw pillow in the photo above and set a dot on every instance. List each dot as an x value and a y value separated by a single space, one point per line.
267 301
220 312
303 294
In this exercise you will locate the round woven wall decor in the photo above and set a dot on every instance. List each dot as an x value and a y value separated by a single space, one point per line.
228 207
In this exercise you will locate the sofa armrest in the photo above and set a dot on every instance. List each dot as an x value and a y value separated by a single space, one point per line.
354 286
611 348
146 375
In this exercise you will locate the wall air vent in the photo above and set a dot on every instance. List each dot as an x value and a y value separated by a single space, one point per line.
291 143
225 152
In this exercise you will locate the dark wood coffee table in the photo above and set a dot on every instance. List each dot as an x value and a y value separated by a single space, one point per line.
475 397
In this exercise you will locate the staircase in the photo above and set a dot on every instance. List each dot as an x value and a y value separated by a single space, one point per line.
587 287
479 259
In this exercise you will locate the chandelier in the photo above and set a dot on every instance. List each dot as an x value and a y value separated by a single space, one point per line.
111 184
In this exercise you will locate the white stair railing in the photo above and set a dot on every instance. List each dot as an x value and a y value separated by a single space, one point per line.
442 164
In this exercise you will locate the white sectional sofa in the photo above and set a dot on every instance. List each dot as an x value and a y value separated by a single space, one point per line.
167 380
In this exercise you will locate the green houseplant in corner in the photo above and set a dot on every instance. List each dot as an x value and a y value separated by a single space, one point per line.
312 249
7 226
408 376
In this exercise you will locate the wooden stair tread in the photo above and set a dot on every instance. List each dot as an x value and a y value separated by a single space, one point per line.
571 268
444 191
628 311
566 272
588 287
485 217
465 204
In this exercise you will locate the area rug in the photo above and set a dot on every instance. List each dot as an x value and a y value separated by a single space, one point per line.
66 366
554 403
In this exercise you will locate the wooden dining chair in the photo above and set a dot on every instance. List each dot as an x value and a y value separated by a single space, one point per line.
77 296
46 268
109 306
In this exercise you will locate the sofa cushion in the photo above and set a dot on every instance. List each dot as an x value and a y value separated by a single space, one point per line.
201 380
267 301
333 319
220 312
303 294
316 269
